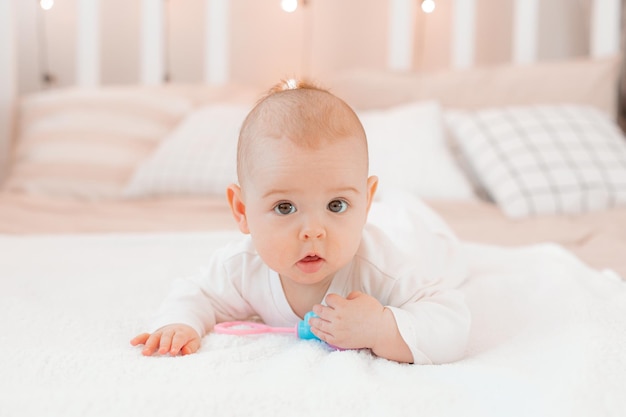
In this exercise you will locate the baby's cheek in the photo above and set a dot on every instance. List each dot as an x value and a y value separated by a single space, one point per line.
349 243
276 256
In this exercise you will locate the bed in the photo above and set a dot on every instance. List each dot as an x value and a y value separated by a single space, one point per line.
112 192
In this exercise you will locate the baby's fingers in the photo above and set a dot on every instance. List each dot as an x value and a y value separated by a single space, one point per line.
165 344
179 341
171 339
139 339
151 344
191 347
151 341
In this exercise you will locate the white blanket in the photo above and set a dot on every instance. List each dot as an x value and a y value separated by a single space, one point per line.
549 339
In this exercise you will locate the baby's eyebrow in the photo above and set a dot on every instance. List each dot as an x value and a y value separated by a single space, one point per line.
272 192
335 191
342 190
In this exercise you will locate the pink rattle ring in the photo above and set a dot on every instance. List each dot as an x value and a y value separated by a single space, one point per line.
240 328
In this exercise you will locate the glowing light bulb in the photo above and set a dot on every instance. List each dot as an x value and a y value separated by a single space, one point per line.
46 4
289 6
428 6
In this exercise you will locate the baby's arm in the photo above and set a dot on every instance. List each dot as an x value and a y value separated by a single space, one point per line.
360 321
182 319
172 339
193 306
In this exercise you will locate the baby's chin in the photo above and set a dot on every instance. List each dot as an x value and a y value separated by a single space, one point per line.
309 279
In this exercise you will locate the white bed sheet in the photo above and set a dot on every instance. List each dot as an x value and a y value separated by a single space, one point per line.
547 340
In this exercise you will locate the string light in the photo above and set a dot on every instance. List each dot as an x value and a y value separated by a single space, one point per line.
289 6
428 6
46 4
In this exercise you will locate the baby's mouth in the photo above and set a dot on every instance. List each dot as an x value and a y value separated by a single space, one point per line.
310 263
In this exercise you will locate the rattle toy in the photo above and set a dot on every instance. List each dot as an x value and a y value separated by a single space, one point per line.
302 329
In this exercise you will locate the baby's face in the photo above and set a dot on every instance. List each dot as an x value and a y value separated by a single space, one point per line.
306 208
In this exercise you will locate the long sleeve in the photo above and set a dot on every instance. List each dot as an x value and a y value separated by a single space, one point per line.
214 294
435 327
430 311
422 293
415 267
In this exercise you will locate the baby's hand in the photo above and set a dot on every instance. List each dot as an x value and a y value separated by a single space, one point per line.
172 339
360 321
349 323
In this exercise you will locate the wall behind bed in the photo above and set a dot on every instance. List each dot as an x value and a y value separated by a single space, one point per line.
265 43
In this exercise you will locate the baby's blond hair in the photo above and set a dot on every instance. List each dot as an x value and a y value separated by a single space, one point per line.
301 112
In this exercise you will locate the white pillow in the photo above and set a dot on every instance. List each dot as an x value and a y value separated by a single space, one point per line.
198 157
544 159
408 150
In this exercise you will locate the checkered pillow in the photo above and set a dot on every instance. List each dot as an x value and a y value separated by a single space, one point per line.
544 159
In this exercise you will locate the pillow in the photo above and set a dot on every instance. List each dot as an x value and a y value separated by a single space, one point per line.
584 81
544 159
198 157
408 150
85 144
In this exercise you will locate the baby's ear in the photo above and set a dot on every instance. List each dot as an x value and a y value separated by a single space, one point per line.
372 186
237 207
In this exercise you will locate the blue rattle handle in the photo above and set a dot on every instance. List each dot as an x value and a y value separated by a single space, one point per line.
303 329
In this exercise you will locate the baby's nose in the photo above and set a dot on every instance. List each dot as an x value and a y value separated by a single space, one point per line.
313 230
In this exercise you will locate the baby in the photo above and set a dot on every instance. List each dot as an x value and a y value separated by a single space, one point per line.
303 200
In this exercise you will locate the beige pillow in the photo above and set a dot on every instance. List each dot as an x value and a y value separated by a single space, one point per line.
85 143
585 81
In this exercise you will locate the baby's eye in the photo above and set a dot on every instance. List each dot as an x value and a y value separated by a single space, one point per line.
338 206
284 208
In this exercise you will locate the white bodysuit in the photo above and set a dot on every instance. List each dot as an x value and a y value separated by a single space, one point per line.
415 275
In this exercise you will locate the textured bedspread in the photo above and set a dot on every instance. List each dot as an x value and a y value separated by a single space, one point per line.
547 340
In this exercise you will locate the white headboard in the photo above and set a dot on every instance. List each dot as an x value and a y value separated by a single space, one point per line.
401 42
604 34
8 80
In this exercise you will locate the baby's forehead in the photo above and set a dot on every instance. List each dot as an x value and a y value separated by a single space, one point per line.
306 142
282 159
308 116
